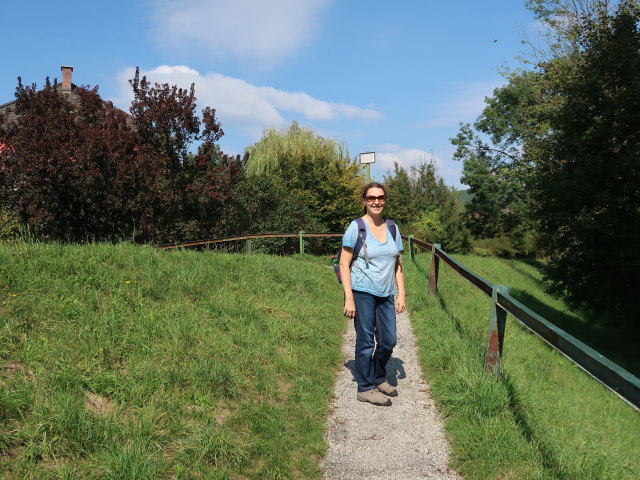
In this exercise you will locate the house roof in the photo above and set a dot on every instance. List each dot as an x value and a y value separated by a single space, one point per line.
63 87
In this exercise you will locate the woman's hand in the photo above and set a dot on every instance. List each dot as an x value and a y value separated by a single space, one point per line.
401 303
349 308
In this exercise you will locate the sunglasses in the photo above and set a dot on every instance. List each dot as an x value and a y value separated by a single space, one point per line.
371 198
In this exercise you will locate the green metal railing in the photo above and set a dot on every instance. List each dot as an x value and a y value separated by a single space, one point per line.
611 375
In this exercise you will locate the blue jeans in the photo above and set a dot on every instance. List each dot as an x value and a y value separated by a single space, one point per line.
375 320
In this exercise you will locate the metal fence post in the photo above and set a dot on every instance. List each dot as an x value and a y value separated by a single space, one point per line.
497 323
411 251
301 242
433 273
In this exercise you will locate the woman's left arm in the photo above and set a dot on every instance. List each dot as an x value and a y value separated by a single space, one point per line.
401 301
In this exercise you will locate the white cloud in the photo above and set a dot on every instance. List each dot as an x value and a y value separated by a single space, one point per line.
263 31
389 153
241 105
464 104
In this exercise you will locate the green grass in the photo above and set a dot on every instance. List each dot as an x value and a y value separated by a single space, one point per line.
123 362
526 285
544 418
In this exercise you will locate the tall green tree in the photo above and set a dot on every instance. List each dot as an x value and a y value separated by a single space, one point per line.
557 147
297 180
421 204
586 179
495 152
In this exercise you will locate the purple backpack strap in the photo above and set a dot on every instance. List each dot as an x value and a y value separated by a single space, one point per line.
362 235
392 228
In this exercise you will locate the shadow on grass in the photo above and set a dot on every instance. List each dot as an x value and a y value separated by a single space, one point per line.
456 322
521 271
534 262
549 461
610 342
424 271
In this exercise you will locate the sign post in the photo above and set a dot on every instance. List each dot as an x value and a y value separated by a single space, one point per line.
367 159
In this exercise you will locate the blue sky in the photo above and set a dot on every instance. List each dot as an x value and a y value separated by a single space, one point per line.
394 78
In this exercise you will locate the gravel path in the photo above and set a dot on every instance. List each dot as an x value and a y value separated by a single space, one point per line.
401 442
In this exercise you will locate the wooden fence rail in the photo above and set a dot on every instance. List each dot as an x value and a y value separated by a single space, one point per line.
611 375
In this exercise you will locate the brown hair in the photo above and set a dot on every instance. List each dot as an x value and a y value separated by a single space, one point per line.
363 194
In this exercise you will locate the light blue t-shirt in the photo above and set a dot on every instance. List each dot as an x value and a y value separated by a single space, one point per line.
378 277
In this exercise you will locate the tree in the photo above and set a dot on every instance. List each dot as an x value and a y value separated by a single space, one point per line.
499 149
191 191
400 207
314 183
564 22
421 204
73 166
560 146
586 182
74 169
496 153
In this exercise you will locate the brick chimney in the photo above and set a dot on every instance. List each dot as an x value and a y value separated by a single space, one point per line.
66 78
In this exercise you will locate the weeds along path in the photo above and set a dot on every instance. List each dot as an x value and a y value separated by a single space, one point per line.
401 442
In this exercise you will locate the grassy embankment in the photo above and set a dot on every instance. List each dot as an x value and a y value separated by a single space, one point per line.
123 362
545 418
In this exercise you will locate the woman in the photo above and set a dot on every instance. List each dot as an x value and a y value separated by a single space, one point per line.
370 285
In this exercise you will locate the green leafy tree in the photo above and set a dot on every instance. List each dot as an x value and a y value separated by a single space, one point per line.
421 204
495 152
401 205
428 226
297 180
499 149
586 187
564 23
556 149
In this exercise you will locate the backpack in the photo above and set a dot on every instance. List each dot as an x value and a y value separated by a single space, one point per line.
360 241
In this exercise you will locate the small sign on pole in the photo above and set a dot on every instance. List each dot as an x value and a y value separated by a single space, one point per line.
367 159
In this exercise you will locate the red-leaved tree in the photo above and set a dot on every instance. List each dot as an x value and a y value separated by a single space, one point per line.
74 167
71 169
192 189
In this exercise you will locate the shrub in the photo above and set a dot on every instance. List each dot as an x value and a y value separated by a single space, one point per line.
9 224
500 246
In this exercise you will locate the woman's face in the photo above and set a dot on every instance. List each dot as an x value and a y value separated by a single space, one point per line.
375 200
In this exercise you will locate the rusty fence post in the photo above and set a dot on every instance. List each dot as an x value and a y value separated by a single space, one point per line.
433 273
495 341
411 249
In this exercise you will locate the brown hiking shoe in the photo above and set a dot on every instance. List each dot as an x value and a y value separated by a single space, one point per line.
375 397
387 389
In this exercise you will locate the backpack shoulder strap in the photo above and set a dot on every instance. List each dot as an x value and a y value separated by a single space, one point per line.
362 236
392 228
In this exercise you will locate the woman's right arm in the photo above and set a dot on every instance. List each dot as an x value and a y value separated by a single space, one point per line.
345 273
